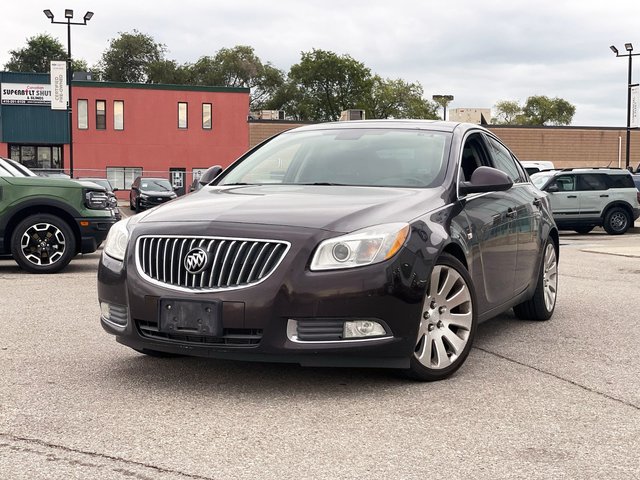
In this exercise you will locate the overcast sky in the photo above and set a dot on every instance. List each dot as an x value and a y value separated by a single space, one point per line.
479 51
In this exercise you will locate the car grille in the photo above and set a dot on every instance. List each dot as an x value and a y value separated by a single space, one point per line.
317 330
230 262
238 337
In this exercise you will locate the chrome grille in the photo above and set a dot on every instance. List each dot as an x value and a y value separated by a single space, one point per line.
232 262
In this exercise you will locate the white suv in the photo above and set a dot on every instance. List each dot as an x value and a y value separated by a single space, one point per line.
584 198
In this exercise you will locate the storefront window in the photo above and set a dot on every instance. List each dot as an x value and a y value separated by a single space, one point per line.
37 157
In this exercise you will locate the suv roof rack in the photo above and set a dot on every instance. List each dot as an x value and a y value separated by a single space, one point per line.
569 169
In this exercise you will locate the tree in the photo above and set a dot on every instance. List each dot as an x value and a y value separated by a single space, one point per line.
507 112
239 67
130 56
169 72
542 110
537 110
398 99
323 84
37 55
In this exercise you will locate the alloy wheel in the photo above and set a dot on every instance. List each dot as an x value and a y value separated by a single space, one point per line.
550 277
447 319
43 244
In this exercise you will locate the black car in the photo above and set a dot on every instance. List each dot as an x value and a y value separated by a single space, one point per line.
362 243
147 192
113 200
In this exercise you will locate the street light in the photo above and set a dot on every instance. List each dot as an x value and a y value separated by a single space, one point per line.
443 101
68 15
629 48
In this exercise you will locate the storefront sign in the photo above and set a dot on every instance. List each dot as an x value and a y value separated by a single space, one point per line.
58 85
25 94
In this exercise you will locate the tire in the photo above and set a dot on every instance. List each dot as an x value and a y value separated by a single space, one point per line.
583 230
617 221
543 302
43 243
138 207
447 324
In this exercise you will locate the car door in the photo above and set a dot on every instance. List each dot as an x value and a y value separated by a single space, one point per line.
525 216
563 197
491 226
593 194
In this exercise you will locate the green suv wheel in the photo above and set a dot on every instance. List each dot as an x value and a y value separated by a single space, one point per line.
43 244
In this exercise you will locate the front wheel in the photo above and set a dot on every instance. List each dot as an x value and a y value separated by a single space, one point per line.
43 244
543 302
617 221
447 324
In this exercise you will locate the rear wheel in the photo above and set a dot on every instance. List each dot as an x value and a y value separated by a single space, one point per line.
617 221
43 244
543 302
448 322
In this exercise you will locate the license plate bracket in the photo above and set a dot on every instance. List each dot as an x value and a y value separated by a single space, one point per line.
190 317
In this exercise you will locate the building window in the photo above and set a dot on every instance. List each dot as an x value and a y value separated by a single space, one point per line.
123 177
101 115
37 157
182 115
206 116
118 115
83 114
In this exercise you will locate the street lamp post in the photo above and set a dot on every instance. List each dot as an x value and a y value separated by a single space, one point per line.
629 48
443 101
68 14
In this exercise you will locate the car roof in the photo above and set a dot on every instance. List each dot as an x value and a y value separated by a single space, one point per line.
432 125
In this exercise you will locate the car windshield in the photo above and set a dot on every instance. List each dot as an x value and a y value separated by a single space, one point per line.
11 168
347 156
156 185
539 179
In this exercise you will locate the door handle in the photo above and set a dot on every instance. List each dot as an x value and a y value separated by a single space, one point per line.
512 213
604 196
537 202
572 196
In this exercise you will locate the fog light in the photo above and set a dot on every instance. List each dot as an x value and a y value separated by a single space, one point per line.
114 314
363 328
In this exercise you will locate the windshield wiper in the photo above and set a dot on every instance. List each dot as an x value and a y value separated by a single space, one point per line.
324 183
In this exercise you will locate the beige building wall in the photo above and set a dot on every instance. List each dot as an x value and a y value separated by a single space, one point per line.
564 146
469 115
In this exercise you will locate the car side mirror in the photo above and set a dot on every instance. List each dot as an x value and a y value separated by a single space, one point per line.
210 174
552 189
115 189
486 179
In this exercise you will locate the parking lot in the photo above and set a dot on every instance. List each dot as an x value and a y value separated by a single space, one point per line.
558 399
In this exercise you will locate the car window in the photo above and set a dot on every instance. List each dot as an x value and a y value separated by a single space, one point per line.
473 156
592 181
621 181
565 183
502 160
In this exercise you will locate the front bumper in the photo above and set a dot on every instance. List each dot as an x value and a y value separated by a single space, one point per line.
255 320
93 231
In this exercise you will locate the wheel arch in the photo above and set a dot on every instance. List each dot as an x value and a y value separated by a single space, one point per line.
34 209
621 204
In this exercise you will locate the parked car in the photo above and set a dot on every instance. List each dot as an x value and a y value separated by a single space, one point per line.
535 166
584 198
361 243
636 180
113 200
147 192
45 222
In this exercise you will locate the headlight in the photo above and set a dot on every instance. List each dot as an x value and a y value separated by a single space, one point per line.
96 200
116 244
363 247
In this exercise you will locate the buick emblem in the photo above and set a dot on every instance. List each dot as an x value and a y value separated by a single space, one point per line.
196 260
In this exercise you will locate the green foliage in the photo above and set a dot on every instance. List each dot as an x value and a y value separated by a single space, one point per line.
537 110
398 99
129 58
326 84
35 57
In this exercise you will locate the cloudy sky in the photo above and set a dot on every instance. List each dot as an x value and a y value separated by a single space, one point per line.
479 51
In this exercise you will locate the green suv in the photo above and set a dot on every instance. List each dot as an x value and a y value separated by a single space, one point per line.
584 198
45 222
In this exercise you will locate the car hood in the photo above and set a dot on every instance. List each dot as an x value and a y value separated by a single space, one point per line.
52 182
333 208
